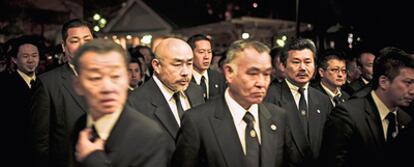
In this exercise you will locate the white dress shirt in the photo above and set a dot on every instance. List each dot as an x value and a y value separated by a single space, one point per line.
238 112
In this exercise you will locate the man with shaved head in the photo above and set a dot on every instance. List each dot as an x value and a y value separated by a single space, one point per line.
169 92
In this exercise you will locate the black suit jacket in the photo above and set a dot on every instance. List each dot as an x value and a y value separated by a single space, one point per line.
55 108
216 84
354 86
149 100
353 134
319 107
135 140
16 96
345 96
208 137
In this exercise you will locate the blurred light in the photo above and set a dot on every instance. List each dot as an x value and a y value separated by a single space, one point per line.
96 28
245 35
358 39
96 17
350 38
102 21
284 37
332 44
105 37
280 42
146 39
128 37
114 37
255 5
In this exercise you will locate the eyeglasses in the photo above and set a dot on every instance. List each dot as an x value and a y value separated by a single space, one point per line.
337 70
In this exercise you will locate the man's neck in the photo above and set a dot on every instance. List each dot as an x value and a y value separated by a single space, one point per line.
385 99
332 88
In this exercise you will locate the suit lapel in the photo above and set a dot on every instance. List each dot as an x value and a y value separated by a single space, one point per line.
373 120
268 140
162 110
298 133
195 98
118 131
226 135
67 76
315 120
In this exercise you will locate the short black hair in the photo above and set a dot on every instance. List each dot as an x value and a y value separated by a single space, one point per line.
389 63
330 54
298 44
26 39
73 24
197 37
99 46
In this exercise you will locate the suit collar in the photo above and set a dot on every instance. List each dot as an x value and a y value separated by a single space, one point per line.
67 79
162 110
373 120
226 134
288 103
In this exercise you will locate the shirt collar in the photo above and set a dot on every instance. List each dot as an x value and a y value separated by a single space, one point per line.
105 124
382 108
330 93
166 92
295 88
26 78
238 111
73 69
197 76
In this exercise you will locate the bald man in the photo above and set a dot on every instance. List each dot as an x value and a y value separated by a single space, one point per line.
169 92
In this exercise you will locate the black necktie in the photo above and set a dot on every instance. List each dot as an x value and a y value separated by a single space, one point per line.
252 142
303 109
392 130
337 100
180 109
204 86
32 83
94 134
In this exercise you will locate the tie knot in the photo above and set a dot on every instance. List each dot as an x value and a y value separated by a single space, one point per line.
203 78
248 118
301 90
337 99
94 134
32 82
176 96
390 117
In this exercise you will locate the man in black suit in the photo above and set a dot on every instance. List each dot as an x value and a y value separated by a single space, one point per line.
212 82
237 129
365 63
359 132
332 72
55 105
111 133
16 89
307 108
169 92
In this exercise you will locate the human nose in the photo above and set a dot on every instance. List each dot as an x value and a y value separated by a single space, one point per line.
186 70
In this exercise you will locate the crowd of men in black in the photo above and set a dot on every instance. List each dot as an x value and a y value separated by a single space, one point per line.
170 105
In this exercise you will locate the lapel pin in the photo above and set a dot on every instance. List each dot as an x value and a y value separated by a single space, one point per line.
215 85
273 127
402 126
318 111
303 112
252 133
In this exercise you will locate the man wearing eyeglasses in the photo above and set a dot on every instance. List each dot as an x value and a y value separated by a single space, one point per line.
332 70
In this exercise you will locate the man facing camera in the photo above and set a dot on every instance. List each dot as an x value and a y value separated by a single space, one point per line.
237 129
112 134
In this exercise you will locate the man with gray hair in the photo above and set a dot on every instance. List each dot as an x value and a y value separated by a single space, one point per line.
237 128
